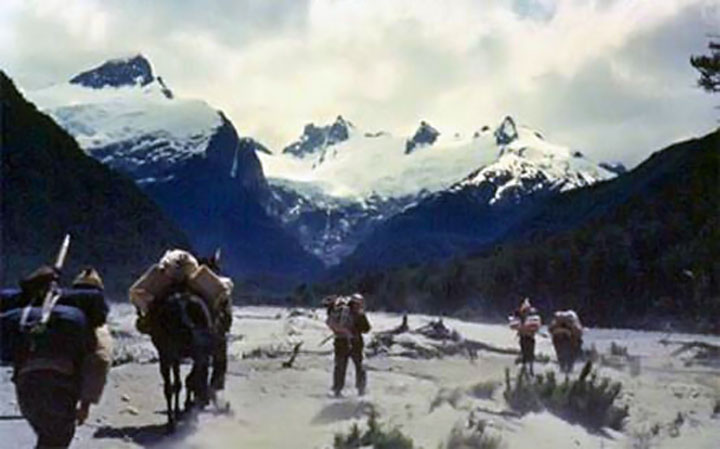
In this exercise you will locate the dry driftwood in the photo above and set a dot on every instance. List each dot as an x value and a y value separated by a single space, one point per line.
296 350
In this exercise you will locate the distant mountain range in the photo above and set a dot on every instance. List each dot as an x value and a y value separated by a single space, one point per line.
50 187
331 195
641 249
363 199
432 219
187 157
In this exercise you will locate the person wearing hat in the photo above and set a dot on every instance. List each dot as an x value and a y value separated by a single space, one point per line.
55 388
350 344
528 324
96 364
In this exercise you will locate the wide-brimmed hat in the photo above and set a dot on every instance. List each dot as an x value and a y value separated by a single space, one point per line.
88 277
39 279
525 305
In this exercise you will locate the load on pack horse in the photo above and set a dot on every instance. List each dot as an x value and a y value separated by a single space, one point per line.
566 331
185 307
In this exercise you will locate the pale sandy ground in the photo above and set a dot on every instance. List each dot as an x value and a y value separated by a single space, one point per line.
274 407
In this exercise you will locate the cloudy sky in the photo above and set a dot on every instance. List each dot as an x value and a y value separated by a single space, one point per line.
610 77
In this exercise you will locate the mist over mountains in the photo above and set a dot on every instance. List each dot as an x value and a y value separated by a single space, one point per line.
342 204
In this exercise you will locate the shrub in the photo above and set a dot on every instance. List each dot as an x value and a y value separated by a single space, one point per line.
376 436
474 436
587 400
483 390
618 350
522 396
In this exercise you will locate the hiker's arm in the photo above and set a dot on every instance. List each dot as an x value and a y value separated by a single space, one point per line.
95 368
363 325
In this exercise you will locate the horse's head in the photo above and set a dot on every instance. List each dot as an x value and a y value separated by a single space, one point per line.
212 262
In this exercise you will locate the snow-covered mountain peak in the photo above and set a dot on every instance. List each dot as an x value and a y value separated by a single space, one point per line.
125 116
527 164
424 136
130 71
616 167
506 132
315 139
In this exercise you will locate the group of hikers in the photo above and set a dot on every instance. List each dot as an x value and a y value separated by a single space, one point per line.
61 348
565 331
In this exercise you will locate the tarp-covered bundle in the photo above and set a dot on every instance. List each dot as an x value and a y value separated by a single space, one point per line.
74 316
178 268
566 322
340 318
527 325
66 332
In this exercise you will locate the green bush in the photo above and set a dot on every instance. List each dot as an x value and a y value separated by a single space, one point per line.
376 436
587 400
618 350
483 390
472 437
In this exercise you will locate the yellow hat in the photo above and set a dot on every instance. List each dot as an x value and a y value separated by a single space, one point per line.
525 304
88 277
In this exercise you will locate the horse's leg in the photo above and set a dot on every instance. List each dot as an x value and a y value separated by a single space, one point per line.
219 367
177 386
190 389
201 380
168 389
200 372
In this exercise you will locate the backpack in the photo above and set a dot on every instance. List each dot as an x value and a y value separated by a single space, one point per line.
525 324
567 321
67 334
340 317
89 300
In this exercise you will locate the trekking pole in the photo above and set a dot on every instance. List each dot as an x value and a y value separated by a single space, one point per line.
326 339
53 293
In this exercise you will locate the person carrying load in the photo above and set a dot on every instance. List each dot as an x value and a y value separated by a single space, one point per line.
347 320
58 346
526 321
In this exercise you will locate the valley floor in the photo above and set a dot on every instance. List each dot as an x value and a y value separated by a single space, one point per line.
671 394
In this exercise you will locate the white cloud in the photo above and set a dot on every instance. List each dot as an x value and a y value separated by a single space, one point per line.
608 76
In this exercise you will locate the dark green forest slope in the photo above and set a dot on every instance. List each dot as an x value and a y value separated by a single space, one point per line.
50 187
641 249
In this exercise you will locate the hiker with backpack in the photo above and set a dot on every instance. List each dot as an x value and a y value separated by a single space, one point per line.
346 318
97 362
526 321
60 362
566 331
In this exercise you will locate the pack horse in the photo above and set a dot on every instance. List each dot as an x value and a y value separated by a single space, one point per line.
185 307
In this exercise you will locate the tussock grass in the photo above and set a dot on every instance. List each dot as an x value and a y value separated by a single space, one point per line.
472 436
376 436
587 400
483 390
618 350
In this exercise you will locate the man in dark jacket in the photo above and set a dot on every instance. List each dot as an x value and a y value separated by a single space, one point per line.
349 345
55 389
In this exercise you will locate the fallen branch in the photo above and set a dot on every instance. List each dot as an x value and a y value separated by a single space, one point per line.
711 350
296 349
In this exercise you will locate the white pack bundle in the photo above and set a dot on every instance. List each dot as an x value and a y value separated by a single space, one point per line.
213 288
569 319
340 319
532 324
178 264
